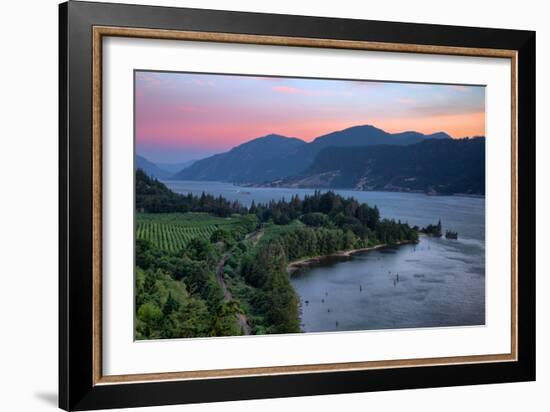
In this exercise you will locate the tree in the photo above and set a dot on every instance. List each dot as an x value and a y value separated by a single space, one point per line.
225 321
282 304
170 306
199 249
373 217
221 235
314 219
349 240
149 314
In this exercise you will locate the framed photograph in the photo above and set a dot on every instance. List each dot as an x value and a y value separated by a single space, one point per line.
256 205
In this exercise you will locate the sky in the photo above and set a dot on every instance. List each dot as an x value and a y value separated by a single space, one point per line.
187 116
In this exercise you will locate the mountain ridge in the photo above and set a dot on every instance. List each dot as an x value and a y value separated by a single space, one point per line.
262 155
271 157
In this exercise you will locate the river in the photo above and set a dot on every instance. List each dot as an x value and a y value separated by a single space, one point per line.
438 282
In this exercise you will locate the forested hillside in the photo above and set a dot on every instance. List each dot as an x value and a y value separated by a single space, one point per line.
444 166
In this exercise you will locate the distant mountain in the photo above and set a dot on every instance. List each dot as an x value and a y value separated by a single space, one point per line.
174 168
275 157
151 168
261 159
436 166
368 135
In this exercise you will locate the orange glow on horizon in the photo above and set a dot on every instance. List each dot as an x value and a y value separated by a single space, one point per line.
455 125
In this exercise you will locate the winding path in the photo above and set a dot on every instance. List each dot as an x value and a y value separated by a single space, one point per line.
227 295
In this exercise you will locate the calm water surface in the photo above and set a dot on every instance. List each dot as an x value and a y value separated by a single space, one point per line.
437 282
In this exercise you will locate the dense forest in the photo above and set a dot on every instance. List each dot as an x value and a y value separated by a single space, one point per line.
210 267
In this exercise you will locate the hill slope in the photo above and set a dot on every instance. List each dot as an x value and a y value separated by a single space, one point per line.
151 169
261 159
174 168
442 166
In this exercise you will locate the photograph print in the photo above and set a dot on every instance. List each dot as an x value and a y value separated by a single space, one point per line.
278 205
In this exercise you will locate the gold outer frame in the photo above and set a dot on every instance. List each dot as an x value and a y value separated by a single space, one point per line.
101 31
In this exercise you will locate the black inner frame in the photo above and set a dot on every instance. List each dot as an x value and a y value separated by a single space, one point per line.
76 388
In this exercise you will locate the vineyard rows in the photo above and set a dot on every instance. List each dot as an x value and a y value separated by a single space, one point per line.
172 237
172 232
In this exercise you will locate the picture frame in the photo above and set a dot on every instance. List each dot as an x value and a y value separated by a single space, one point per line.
82 383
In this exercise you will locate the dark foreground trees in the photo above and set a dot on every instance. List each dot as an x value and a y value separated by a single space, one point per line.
274 300
177 294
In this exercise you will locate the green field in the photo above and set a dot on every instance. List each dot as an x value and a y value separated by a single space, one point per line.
172 231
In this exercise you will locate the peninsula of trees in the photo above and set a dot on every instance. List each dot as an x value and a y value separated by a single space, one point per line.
210 267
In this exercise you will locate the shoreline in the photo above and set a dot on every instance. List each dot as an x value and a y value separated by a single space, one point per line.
311 261
335 189
260 186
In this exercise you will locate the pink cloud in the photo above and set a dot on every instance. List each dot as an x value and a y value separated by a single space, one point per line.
287 89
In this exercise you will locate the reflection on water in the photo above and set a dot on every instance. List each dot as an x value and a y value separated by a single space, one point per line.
438 282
